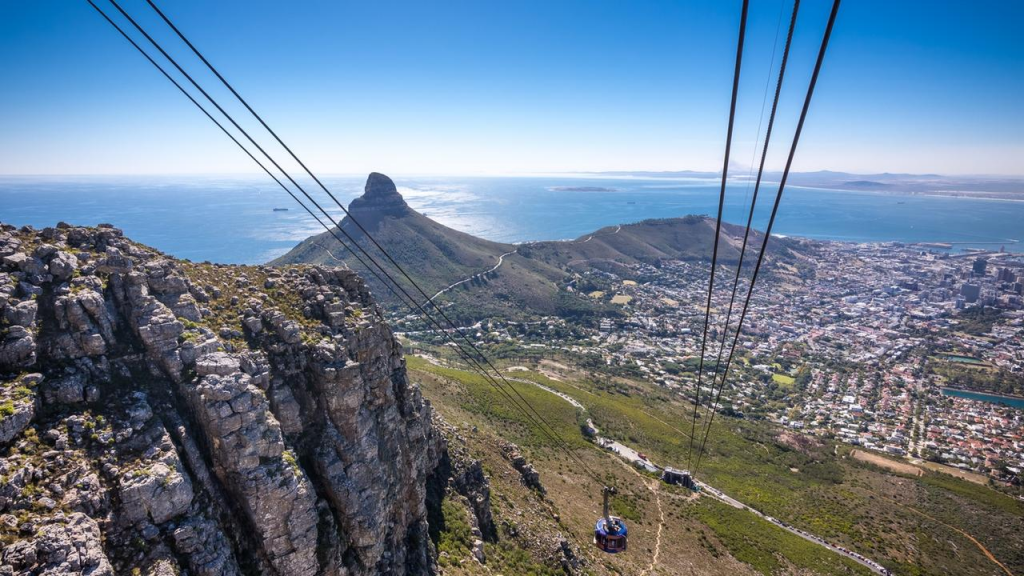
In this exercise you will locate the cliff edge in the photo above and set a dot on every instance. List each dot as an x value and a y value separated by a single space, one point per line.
159 416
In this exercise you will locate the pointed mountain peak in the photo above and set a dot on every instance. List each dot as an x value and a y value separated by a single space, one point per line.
381 196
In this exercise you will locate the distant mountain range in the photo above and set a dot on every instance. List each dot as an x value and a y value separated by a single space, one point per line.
484 278
981 186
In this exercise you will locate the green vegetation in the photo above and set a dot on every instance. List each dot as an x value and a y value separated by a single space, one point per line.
625 506
482 398
978 320
970 377
455 544
289 458
765 547
803 481
456 538
964 489
505 557
784 380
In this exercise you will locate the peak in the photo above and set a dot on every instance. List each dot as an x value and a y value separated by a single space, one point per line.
379 185
380 195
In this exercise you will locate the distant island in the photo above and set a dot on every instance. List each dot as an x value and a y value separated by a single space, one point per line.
582 189
965 186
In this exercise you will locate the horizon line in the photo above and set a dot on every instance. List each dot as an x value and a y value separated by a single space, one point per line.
522 174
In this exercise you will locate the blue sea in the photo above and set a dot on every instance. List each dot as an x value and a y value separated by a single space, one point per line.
232 219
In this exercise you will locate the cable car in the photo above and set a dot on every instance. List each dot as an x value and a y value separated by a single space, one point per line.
610 531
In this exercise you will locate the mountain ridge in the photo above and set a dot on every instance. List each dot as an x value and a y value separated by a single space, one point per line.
532 276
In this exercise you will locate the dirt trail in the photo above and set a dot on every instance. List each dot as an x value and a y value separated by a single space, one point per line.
653 486
980 546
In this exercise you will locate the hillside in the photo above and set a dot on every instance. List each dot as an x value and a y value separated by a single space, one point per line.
925 523
531 277
435 254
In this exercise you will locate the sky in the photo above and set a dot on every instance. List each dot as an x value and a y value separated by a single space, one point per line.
531 86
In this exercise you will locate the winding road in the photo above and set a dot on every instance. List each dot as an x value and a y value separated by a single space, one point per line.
630 455
501 259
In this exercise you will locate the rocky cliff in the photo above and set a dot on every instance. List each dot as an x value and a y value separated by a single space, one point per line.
161 417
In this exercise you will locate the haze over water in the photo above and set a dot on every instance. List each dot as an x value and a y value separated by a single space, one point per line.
231 220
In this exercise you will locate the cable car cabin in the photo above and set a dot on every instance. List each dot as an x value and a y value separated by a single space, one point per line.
610 531
610 535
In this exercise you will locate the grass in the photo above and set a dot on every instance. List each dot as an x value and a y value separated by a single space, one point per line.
783 380
481 398
965 489
828 495
505 557
765 547
845 501
455 544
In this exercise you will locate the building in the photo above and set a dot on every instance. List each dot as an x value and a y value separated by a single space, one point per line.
1005 275
970 292
979 266
679 477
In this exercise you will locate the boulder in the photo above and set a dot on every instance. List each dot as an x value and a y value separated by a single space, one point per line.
71 547
63 265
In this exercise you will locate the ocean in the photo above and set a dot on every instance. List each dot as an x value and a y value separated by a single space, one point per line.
232 219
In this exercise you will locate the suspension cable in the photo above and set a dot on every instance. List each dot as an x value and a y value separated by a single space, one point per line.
718 222
355 221
757 186
551 434
764 103
215 121
775 207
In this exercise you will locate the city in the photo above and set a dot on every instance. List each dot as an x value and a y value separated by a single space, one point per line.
864 343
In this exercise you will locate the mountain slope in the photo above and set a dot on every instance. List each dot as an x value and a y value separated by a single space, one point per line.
531 277
435 254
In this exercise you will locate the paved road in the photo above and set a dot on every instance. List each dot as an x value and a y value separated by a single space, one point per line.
634 458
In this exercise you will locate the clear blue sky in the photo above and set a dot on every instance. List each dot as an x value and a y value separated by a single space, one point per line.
508 87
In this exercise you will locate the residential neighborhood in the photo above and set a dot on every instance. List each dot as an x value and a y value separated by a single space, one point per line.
864 343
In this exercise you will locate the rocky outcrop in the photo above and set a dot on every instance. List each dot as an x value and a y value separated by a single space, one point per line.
173 417
68 545
461 476
527 473
380 198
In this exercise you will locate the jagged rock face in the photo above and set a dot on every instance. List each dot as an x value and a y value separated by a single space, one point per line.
171 417
527 473
380 198
459 474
